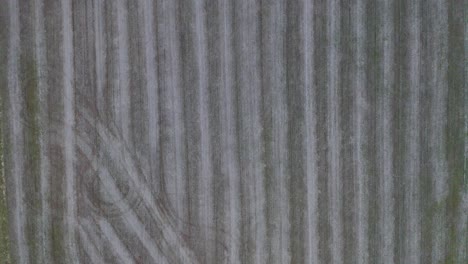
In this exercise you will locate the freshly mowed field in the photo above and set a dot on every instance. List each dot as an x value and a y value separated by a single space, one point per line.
233 131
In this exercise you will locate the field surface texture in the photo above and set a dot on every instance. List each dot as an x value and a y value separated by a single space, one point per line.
234 131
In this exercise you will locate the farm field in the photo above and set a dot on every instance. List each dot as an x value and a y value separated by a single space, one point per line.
233 131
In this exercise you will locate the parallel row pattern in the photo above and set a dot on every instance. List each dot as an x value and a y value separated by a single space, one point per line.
233 131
